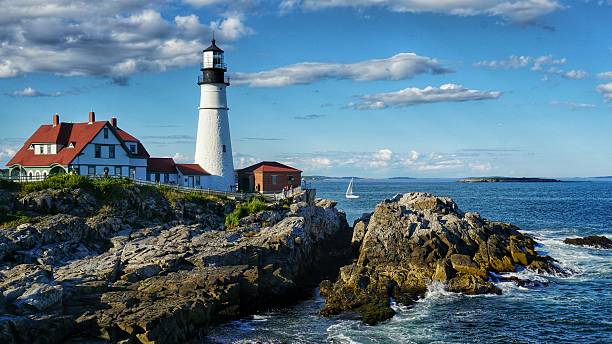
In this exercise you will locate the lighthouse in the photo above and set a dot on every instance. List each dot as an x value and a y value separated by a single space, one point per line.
214 145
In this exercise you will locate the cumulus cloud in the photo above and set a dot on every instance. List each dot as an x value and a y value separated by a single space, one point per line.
606 91
384 160
575 74
605 75
413 96
111 39
242 160
30 92
398 67
546 64
180 158
513 10
573 105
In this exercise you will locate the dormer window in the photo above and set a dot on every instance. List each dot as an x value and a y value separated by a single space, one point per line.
133 148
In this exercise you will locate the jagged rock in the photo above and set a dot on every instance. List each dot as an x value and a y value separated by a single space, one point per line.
141 269
592 240
359 230
414 239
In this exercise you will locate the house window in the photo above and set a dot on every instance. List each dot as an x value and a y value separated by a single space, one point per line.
105 133
274 179
224 149
91 170
157 177
132 172
133 148
111 152
117 169
197 179
166 177
290 179
98 151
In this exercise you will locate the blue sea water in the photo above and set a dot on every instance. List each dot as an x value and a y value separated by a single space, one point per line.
574 309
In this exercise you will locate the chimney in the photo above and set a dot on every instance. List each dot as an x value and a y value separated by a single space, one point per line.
92 117
56 121
114 122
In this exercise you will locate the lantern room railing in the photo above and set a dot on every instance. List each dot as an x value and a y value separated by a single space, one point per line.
204 79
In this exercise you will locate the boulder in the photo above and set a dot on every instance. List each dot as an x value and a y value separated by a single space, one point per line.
591 240
415 239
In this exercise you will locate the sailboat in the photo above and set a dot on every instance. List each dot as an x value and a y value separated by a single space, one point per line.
349 191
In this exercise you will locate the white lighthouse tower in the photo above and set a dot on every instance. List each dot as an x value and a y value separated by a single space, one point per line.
214 145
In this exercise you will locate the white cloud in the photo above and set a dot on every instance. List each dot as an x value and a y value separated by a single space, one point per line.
575 74
573 105
103 38
398 67
244 160
180 158
481 167
605 75
606 91
413 95
30 92
385 161
546 64
514 10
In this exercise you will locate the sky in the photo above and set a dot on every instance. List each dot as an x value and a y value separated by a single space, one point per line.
371 88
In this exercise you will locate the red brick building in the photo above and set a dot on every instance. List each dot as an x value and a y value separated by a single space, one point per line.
268 177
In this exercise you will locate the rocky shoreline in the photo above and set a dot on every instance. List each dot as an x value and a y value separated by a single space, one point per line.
148 265
143 268
415 239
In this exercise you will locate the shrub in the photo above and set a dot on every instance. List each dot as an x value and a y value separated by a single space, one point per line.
8 220
104 188
8 184
252 206
62 181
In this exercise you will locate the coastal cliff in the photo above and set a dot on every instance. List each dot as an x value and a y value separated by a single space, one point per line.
416 239
125 263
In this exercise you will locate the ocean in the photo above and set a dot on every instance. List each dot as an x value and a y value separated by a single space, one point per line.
574 309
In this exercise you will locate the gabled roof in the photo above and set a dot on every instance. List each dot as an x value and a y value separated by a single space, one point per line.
269 166
192 170
161 165
80 134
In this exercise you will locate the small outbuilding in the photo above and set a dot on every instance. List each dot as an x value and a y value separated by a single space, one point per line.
268 177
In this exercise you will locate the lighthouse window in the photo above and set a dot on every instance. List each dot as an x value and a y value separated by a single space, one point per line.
224 149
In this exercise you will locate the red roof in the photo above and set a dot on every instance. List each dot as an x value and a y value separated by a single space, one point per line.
80 134
161 165
192 169
125 136
269 166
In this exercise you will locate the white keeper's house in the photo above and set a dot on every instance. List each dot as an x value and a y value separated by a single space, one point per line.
86 148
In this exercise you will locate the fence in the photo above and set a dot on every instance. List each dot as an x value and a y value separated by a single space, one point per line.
239 196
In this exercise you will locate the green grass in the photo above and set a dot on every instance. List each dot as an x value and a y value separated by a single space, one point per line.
104 189
14 220
252 206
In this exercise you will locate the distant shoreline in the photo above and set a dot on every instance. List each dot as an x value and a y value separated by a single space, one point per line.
508 180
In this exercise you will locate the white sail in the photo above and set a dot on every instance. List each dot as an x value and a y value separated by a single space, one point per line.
349 190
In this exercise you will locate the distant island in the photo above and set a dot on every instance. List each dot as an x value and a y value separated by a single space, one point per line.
401 178
507 180
316 178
